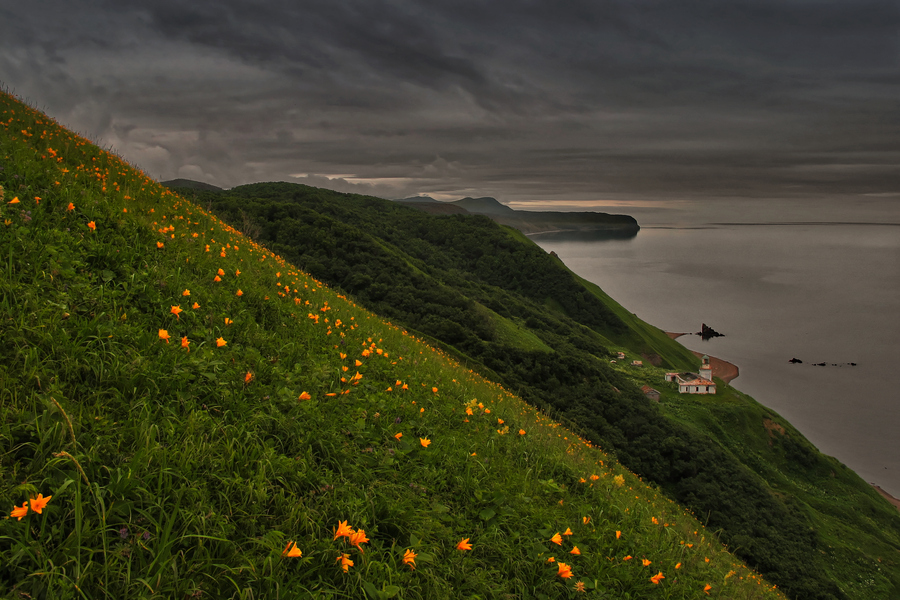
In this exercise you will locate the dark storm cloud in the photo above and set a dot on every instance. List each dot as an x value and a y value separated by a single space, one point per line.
521 100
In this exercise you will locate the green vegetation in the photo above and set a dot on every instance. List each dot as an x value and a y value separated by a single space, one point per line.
184 414
448 278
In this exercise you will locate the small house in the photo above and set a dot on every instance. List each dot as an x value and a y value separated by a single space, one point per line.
650 393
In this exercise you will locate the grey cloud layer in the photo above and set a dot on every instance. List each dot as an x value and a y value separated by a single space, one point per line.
522 100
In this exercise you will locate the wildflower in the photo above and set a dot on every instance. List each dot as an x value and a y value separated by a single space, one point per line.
575 551
646 562
221 272
629 557
618 534
464 545
706 589
14 200
657 578
248 377
239 293
291 550
425 442
521 432
160 245
358 363
238 272
70 207
398 435
556 539
175 310
345 561
358 537
595 477
434 390
619 480
565 571
185 343
164 335
19 511
579 586
678 566
568 531
305 396
409 558
186 293
196 305
220 342
585 520
38 504
217 278
551 559
92 226
343 530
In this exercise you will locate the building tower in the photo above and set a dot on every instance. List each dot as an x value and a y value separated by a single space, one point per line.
705 368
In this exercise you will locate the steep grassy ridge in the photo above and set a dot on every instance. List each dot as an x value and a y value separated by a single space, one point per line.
184 414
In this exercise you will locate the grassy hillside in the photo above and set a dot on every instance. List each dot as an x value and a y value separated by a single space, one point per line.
485 293
185 414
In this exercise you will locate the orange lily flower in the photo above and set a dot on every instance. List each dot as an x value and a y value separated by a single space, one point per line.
409 558
425 442
38 504
358 537
292 550
175 311
565 571
19 511
305 396
556 539
220 342
345 561
92 226
464 545
575 550
164 335
657 578
248 377
343 530
185 343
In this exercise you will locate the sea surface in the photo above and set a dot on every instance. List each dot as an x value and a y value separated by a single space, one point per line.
816 281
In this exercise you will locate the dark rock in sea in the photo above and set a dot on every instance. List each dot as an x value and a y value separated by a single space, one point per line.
708 332
820 364
796 361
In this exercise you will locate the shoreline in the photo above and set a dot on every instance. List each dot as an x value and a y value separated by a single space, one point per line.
727 371
722 369
887 496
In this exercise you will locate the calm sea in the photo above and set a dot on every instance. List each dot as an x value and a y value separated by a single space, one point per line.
819 282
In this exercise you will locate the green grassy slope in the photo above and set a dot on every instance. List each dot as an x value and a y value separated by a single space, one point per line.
202 416
436 275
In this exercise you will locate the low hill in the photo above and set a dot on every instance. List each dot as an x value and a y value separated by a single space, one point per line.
185 414
191 185
516 314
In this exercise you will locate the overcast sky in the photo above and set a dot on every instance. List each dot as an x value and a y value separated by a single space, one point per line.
570 101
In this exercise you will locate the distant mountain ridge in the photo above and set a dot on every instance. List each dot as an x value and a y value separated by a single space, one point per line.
583 224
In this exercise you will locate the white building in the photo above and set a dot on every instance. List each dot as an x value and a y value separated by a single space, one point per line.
695 383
